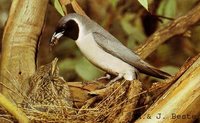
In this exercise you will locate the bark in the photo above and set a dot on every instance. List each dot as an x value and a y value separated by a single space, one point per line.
19 43
180 103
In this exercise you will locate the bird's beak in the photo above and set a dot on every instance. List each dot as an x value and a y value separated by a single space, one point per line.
55 38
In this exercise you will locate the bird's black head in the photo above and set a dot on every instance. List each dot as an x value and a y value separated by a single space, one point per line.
68 28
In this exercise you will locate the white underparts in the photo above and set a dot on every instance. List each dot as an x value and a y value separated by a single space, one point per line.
109 63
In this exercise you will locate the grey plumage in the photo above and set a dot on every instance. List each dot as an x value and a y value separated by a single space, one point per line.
106 45
125 54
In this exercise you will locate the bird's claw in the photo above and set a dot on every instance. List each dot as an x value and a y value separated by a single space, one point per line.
114 80
107 76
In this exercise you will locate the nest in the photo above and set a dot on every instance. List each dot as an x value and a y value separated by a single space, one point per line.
111 104
51 99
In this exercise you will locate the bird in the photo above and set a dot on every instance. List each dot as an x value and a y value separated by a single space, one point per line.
48 91
102 49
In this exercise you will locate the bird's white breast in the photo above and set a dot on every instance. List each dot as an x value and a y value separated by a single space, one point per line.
100 58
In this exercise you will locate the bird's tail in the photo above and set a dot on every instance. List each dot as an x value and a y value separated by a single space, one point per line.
152 71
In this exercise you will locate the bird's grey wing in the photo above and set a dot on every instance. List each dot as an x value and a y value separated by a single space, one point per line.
116 48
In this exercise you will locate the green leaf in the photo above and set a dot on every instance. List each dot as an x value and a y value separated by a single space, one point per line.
167 8
86 70
58 6
144 3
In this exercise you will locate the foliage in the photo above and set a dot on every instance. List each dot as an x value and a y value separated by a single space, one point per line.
144 3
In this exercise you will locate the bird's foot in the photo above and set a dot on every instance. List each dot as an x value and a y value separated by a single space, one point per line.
115 79
107 76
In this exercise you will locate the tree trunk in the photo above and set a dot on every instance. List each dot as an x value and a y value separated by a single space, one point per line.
19 44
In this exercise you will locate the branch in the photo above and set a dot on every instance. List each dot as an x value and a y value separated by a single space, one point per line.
180 103
177 27
16 112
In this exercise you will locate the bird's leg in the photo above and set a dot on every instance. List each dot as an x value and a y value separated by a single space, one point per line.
131 75
115 79
107 76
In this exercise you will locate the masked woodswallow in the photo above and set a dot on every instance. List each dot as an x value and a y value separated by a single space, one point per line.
102 49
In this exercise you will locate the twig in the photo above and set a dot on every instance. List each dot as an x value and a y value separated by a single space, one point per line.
176 27
16 112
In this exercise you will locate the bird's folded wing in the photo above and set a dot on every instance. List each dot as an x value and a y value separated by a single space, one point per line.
112 46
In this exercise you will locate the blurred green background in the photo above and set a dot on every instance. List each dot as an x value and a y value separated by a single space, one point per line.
129 22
